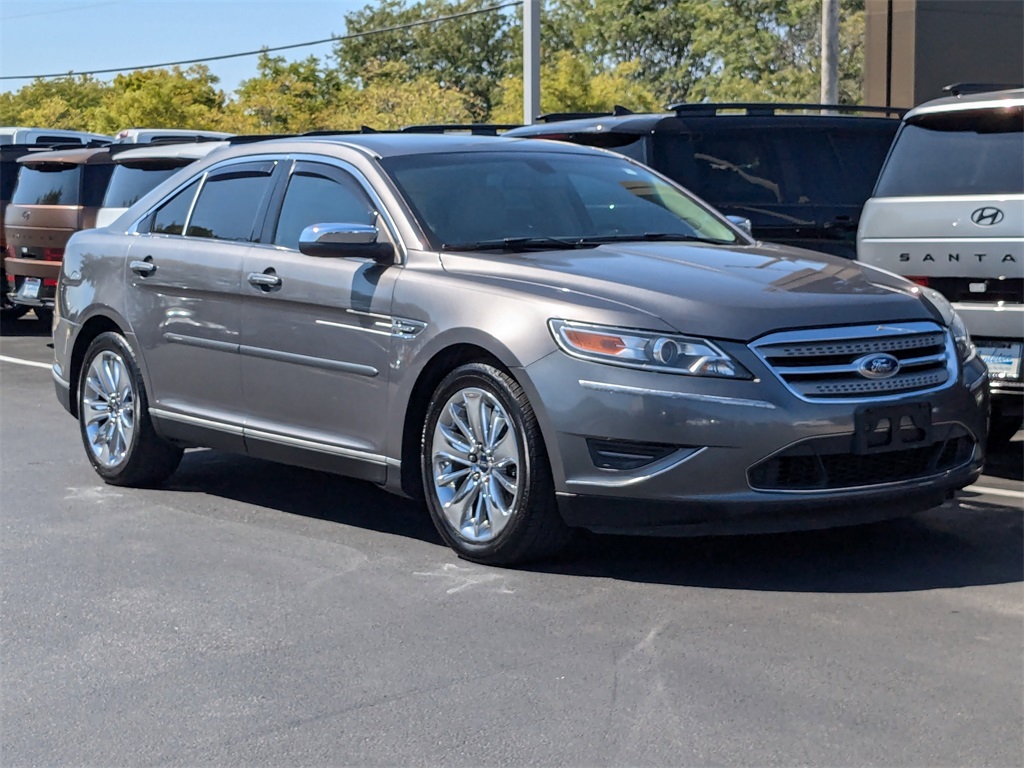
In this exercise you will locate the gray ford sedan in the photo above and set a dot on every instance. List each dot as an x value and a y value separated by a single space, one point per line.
532 337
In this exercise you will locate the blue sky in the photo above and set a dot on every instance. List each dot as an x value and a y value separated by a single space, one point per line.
44 36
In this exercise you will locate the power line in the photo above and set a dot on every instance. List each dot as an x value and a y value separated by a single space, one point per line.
353 36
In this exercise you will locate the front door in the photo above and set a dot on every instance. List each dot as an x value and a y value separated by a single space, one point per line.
316 334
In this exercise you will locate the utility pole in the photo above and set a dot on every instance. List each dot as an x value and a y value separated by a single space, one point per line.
829 51
531 60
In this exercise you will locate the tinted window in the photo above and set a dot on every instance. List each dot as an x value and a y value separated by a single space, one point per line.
776 167
466 198
169 219
50 184
8 175
228 205
972 153
97 178
315 199
128 184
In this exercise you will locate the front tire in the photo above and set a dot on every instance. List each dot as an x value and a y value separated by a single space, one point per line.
113 418
486 475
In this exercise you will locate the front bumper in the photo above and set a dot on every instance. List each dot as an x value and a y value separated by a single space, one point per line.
721 430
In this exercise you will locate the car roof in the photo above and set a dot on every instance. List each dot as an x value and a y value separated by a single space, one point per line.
396 144
186 151
1013 97
94 156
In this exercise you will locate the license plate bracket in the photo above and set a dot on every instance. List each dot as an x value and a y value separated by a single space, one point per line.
1003 359
29 288
880 429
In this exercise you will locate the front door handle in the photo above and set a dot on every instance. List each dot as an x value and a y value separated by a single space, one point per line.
143 268
265 280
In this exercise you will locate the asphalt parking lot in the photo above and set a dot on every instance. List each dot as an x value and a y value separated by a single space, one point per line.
256 614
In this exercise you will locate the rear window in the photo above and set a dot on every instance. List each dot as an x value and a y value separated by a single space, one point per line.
50 184
778 166
128 184
960 153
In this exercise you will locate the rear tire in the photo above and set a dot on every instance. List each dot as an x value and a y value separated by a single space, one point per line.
113 418
486 474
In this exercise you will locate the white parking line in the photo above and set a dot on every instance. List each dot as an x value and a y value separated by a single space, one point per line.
19 361
995 491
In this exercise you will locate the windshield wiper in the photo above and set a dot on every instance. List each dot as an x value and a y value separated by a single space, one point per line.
651 237
520 244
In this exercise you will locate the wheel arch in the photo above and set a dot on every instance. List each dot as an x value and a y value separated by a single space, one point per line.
90 330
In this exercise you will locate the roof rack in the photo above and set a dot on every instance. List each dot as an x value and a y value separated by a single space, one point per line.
475 129
962 89
553 117
769 108
347 132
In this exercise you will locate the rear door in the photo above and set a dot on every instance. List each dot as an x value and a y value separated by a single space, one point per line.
316 332
183 281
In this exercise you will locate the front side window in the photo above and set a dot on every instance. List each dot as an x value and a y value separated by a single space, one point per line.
320 197
48 184
973 152
230 202
465 198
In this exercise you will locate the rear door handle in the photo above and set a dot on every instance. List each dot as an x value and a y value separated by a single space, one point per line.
264 280
142 268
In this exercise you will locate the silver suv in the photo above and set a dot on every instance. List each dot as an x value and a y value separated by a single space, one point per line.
531 336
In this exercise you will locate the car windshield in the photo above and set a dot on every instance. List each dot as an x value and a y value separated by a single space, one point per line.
520 200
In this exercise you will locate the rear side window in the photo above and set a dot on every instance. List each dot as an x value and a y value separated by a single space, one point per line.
169 218
8 177
230 202
966 153
97 178
128 184
320 198
48 184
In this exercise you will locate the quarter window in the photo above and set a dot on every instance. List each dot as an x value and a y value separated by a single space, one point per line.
314 198
169 219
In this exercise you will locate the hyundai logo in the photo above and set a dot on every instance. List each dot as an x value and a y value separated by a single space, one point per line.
987 216
878 366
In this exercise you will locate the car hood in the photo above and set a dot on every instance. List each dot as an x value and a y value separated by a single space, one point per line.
725 292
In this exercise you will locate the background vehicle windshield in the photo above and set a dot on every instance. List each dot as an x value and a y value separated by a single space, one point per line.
464 198
959 153
129 183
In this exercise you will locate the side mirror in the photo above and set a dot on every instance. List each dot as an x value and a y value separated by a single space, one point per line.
743 223
345 241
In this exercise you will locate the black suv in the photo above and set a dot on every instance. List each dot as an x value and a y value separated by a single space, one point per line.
800 173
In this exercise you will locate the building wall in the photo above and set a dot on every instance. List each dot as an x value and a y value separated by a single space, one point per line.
934 43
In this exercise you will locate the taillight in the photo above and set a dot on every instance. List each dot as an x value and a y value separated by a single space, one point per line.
53 254
920 280
50 283
10 280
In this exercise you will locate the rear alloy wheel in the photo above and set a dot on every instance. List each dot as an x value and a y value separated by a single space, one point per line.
114 419
486 474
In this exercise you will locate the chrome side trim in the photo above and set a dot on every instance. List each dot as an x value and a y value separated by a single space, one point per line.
667 464
194 341
852 367
312 362
622 389
196 421
359 328
312 445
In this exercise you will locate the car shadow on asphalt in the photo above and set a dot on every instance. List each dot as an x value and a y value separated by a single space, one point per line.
24 326
970 542
1007 461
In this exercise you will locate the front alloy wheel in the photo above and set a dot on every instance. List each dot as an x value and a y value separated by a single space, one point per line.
485 472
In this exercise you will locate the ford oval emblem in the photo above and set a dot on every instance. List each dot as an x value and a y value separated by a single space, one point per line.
878 366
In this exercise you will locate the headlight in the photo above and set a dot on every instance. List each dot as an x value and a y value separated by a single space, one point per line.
962 339
646 350
964 346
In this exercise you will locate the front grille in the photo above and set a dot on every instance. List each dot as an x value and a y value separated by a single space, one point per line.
828 463
828 363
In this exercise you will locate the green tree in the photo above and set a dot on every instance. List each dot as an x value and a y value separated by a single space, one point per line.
62 102
286 97
163 98
471 53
